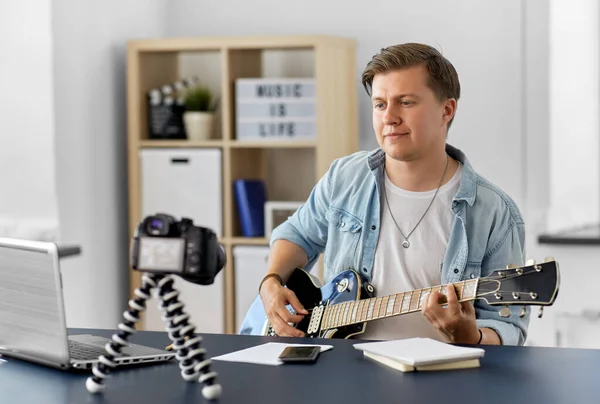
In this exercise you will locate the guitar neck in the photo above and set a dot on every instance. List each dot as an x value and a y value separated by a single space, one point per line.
360 311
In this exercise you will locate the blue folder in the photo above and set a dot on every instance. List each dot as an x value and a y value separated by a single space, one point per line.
250 195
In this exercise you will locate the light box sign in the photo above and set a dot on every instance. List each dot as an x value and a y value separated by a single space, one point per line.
281 108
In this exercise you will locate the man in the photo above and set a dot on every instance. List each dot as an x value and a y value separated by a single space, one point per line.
410 214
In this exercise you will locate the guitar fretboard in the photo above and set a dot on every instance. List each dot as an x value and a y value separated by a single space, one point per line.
348 313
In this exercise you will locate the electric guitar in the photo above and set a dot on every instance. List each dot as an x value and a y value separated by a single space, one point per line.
343 307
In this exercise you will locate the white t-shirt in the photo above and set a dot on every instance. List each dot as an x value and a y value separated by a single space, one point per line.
397 269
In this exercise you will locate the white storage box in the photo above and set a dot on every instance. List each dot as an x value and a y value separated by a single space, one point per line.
250 263
184 182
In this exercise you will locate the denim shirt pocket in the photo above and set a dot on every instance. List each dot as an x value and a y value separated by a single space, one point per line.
344 233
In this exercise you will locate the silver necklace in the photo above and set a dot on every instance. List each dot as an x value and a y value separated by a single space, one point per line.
406 243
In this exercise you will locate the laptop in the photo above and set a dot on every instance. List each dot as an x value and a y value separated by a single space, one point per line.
32 316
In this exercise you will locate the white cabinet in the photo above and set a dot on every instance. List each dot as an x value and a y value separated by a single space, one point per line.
183 182
250 267
186 182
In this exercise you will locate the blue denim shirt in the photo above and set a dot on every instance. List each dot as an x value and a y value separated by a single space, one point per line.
341 219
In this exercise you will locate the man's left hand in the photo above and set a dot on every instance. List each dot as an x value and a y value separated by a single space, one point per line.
456 321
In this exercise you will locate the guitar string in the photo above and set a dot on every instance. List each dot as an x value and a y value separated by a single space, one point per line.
413 298
482 281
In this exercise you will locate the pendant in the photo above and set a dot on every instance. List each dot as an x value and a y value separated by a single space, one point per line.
405 244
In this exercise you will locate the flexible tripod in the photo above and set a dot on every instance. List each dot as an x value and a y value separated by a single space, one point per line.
191 357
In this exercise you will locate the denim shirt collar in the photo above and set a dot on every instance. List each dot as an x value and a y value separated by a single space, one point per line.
468 185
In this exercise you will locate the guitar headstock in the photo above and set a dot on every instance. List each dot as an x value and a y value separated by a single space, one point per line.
534 284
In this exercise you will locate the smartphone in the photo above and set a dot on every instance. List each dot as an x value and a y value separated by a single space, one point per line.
300 354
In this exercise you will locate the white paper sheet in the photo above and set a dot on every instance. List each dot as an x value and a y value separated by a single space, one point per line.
265 354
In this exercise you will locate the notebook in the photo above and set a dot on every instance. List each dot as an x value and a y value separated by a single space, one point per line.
422 354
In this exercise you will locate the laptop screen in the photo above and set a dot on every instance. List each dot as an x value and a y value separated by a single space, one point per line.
31 305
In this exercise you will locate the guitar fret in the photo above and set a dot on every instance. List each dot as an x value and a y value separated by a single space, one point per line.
371 306
345 316
398 303
461 290
384 302
414 301
405 303
354 310
363 309
328 312
469 289
424 295
337 314
390 305
376 308
331 321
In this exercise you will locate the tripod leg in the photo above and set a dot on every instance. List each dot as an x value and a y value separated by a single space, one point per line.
189 353
94 384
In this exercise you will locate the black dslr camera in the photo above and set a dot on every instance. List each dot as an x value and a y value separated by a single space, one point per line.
161 244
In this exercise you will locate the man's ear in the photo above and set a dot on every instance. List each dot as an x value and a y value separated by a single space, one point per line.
449 110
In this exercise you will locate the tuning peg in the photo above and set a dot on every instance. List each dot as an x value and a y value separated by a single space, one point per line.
511 266
530 261
523 312
505 312
541 312
549 259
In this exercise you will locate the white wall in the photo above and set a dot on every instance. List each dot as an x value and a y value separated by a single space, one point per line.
563 150
482 40
28 202
574 120
90 102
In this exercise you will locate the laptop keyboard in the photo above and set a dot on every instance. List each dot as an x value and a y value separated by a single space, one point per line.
84 352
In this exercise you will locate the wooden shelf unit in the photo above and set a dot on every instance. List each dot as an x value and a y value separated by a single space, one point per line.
290 168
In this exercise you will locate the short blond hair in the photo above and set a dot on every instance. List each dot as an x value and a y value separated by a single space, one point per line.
443 78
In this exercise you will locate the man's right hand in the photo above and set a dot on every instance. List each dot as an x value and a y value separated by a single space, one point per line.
274 298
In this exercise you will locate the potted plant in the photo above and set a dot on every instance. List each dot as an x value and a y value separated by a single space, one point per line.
199 115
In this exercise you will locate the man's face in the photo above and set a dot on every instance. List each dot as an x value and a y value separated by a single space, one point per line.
408 120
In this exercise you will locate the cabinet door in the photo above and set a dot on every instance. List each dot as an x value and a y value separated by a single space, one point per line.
250 265
183 182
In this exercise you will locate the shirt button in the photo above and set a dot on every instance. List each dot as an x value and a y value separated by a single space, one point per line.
472 276
373 227
455 270
364 269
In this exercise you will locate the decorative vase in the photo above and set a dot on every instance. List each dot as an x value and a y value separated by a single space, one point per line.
198 125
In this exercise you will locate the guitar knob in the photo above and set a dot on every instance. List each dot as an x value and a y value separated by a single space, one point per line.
505 312
541 312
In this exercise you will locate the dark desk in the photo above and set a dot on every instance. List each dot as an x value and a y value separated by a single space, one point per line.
509 375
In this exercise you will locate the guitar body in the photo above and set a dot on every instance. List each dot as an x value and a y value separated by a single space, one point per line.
346 286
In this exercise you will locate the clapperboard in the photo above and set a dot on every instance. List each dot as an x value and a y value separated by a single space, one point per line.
166 108
275 108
